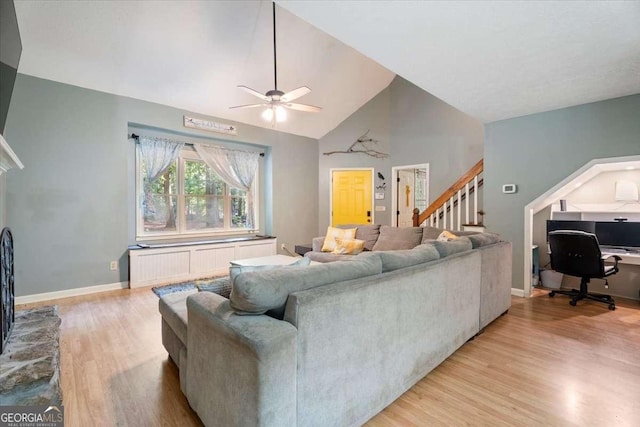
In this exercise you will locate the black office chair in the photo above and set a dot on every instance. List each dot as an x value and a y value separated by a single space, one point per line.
577 253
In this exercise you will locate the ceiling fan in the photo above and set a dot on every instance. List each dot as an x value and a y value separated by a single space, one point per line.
275 100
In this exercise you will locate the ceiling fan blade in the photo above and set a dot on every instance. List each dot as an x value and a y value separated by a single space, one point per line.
249 106
303 107
254 92
295 94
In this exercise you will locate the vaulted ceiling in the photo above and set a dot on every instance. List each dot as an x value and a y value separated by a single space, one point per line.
492 60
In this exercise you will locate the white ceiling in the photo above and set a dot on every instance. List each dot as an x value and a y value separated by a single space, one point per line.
492 60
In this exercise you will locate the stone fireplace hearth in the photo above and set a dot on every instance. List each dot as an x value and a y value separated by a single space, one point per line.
30 363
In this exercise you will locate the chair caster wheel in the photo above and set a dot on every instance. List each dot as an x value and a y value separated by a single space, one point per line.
572 302
612 306
552 294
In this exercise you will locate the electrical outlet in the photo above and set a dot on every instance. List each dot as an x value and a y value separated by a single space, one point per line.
283 247
113 266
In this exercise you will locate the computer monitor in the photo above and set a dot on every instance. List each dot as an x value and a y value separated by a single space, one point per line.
555 225
622 234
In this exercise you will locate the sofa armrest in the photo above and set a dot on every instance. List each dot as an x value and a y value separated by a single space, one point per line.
241 369
317 243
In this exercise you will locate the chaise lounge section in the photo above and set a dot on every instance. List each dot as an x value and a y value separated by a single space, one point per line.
334 343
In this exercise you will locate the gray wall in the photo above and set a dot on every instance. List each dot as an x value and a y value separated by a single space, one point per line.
538 151
71 208
414 127
373 116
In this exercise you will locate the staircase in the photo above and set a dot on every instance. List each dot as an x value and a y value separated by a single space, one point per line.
451 209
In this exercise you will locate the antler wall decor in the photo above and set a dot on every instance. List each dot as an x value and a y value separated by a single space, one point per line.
360 146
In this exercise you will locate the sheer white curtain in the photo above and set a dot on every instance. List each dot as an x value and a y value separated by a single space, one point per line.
236 168
157 155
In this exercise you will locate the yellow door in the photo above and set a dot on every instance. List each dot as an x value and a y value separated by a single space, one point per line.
351 197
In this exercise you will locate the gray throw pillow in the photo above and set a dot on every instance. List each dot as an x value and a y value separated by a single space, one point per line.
396 238
394 260
483 239
461 244
259 292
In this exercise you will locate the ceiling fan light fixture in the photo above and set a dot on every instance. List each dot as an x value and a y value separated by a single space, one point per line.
275 100
279 112
267 114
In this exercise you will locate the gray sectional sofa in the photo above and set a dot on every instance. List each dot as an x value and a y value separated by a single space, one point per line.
333 344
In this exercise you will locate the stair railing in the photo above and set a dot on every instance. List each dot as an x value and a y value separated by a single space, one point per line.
456 196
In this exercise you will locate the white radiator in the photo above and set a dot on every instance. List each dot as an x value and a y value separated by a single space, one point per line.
155 266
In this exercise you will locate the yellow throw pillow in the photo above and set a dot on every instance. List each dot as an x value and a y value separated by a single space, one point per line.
445 236
337 233
348 246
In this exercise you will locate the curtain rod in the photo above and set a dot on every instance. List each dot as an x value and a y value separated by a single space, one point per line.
136 137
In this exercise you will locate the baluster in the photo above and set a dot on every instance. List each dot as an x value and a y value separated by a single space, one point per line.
466 204
475 199
444 215
458 211
451 213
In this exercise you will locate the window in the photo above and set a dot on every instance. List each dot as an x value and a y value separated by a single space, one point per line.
190 199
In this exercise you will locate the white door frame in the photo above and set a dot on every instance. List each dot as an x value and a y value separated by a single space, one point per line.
331 170
394 188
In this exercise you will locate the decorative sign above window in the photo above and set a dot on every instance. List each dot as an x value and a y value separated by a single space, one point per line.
192 122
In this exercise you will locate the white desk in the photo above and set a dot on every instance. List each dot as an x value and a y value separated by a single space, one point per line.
627 257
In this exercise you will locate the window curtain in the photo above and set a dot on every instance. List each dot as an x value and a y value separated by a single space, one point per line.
236 168
157 154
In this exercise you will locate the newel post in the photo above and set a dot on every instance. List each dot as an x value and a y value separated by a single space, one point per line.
416 215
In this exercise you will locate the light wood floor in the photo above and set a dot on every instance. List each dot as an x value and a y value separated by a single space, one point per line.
545 363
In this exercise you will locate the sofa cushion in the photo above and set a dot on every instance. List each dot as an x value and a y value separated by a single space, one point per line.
260 291
483 239
454 246
326 256
430 233
394 260
368 233
173 308
334 233
396 238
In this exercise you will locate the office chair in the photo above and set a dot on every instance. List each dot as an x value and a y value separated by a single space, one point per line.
577 253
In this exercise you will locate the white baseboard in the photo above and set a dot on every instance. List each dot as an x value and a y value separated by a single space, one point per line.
28 299
517 292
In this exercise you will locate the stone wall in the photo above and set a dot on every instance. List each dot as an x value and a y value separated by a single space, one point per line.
30 364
